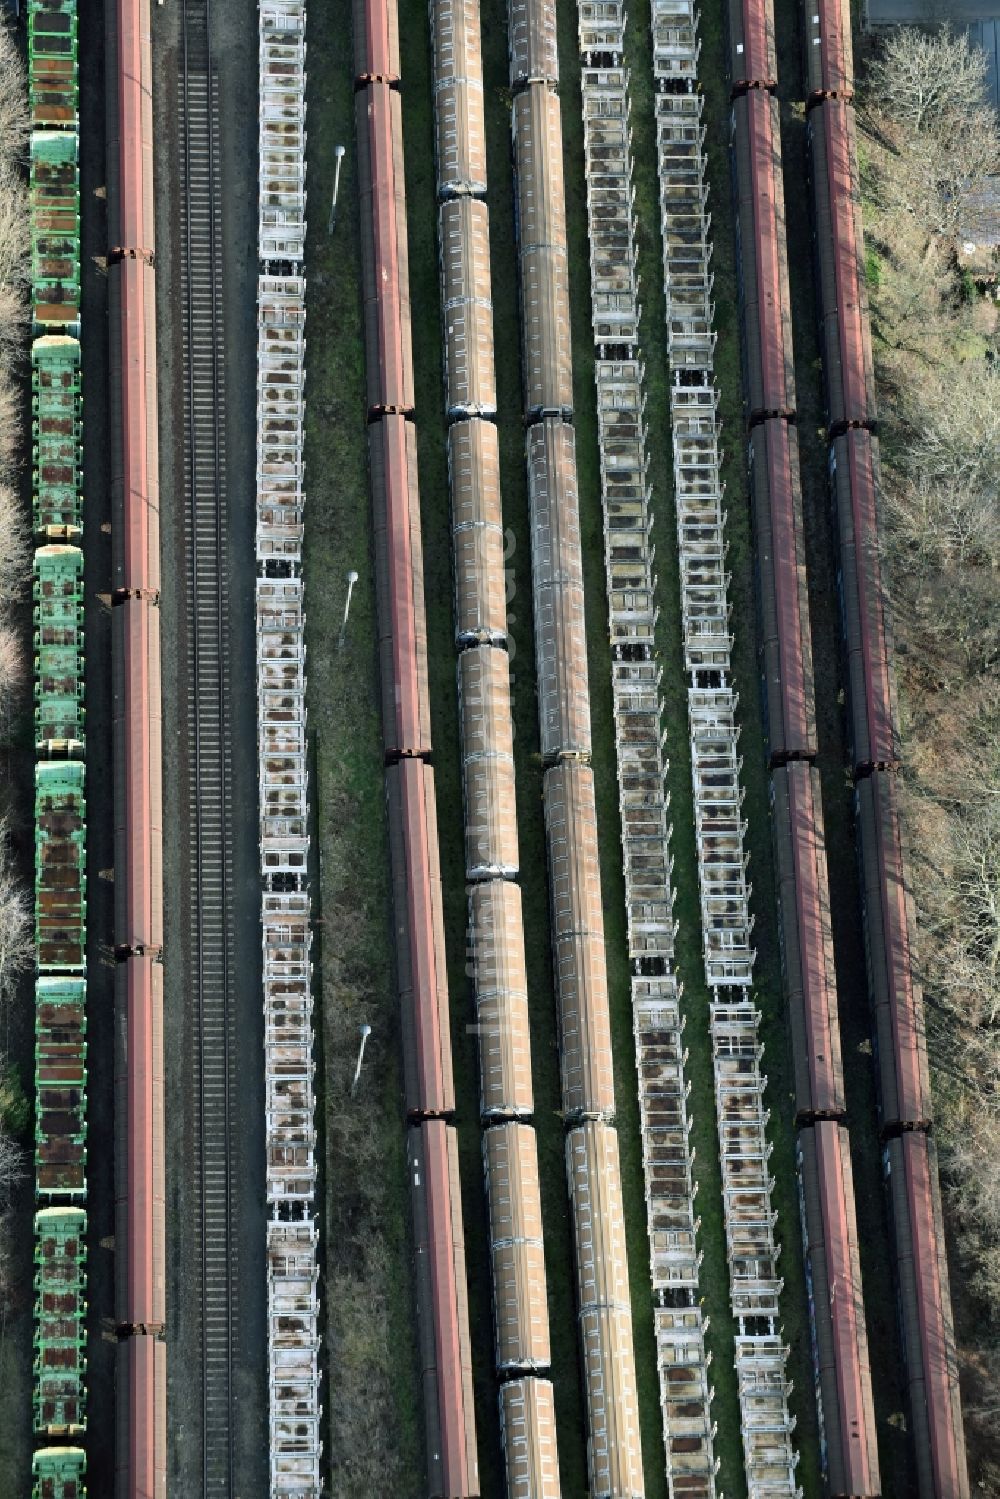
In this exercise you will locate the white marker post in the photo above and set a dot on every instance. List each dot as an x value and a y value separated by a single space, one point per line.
352 578
339 154
366 1031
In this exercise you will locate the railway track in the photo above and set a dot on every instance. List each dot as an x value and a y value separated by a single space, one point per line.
209 738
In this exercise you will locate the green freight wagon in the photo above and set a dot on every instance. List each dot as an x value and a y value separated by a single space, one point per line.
60 872
60 1089
58 1473
60 1323
53 77
54 195
57 412
58 596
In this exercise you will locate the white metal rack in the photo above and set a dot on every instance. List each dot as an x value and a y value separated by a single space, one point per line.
682 1362
295 1411
769 1456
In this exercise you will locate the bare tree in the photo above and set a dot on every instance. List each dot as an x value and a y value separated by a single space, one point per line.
927 81
15 550
14 122
11 1164
16 934
926 96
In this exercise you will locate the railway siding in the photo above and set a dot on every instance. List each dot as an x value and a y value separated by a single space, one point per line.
59 1418
294 1389
522 1348
679 1325
769 1456
614 1456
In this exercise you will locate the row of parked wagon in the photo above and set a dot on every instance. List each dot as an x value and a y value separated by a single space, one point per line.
140 1232
60 1351
432 1151
829 1221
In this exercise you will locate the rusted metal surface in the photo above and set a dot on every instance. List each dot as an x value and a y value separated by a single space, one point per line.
442 1312
130 143
528 1436
376 40
839 1332
541 229
487 763
514 1206
384 253
829 51
753 61
807 940
399 585
871 700
533 50
784 633
135 627
139 1161
135 502
140 1406
897 1001
459 124
930 1357
467 308
477 532
557 585
763 257
845 330
577 919
419 938
604 1310
496 936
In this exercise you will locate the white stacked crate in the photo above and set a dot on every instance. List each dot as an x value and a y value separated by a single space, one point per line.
769 1456
682 1363
295 1412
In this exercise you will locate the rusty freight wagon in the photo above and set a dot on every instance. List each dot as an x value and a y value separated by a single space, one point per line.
477 533
784 634
60 868
459 120
762 257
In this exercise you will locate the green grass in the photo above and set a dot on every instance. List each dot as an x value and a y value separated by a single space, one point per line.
373 1415
366 1211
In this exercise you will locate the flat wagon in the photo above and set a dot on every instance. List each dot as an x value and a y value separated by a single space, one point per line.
58 1473
60 868
57 591
57 455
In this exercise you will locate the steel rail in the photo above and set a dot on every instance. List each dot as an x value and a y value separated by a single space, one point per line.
208 721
